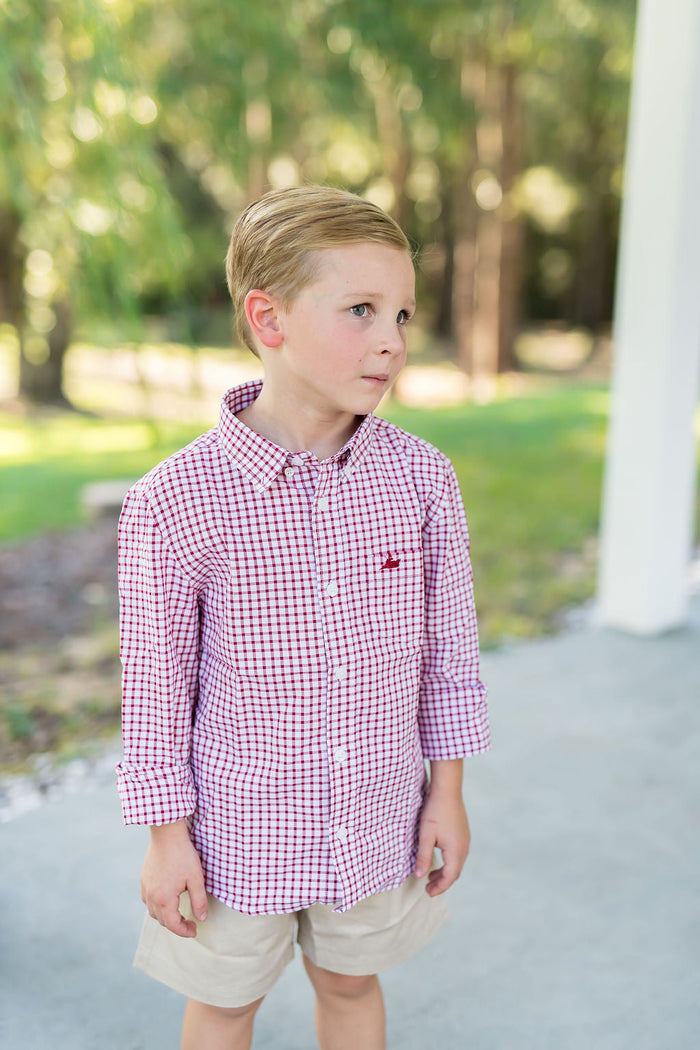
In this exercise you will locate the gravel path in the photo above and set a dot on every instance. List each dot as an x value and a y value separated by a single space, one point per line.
59 665
54 586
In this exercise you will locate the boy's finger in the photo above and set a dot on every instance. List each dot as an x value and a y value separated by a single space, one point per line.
172 919
439 881
424 856
447 874
434 884
198 899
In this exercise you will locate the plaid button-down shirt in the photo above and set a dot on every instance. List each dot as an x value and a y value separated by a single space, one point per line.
297 637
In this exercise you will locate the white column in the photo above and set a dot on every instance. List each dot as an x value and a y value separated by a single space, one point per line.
649 488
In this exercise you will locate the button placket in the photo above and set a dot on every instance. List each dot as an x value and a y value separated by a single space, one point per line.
330 568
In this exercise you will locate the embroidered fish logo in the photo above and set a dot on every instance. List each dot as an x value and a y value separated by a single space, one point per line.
391 563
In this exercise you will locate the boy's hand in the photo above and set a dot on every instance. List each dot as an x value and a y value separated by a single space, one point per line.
443 824
171 866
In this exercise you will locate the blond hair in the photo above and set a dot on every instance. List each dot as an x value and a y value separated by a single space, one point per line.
275 240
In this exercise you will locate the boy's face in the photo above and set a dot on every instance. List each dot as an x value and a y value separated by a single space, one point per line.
344 336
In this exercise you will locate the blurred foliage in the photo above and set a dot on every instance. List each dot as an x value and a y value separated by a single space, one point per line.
131 134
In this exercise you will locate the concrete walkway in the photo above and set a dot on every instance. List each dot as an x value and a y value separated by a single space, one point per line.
576 924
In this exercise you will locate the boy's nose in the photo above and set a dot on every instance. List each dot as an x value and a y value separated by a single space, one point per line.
393 339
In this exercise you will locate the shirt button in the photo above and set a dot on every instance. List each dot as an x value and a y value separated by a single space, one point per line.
332 590
322 503
340 754
341 833
296 461
289 472
347 471
341 673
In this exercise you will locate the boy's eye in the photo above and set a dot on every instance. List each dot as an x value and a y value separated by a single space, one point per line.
361 310
403 317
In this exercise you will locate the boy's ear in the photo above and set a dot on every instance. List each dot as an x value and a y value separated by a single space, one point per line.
261 313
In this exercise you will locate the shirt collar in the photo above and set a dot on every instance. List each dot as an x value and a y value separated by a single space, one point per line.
260 459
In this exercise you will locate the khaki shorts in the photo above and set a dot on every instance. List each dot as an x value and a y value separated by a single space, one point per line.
236 958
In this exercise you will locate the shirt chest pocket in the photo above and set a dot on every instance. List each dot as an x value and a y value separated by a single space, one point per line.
392 586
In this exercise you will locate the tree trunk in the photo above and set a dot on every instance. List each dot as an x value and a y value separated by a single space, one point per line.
41 378
41 356
512 228
396 154
591 276
443 323
258 122
485 350
489 241
11 268
465 262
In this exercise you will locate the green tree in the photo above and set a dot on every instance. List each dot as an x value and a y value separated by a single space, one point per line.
81 191
578 90
133 133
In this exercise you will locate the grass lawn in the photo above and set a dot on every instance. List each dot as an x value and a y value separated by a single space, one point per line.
45 462
529 467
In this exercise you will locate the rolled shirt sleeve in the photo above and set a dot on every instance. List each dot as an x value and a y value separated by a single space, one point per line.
159 647
452 712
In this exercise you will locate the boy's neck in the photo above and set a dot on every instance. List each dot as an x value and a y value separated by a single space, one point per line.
298 428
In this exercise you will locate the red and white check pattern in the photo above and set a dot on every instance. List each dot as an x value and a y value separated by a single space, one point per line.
297 637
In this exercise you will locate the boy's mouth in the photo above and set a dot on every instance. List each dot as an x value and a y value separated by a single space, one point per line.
379 380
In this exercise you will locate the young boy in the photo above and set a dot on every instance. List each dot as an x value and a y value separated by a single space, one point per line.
298 637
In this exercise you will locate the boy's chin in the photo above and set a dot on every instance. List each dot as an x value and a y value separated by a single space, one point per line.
368 404
363 401
374 394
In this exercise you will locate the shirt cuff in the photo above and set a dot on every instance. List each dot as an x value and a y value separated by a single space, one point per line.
454 726
155 796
